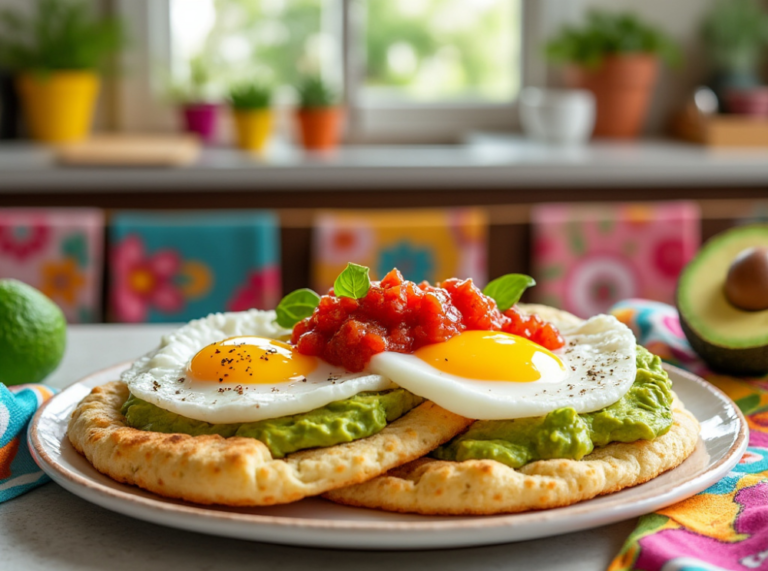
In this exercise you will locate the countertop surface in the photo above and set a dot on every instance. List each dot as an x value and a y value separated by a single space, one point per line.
49 528
483 162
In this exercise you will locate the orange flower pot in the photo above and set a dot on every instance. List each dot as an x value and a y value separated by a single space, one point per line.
320 128
623 85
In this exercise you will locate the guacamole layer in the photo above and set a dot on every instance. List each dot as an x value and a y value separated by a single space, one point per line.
357 417
644 413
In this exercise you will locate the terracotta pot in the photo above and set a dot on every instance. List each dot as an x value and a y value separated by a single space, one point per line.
623 85
320 128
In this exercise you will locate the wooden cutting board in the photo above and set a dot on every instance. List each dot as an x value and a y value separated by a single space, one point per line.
131 150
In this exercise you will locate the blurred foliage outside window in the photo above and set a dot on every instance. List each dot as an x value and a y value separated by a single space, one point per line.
413 50
272 41
442 50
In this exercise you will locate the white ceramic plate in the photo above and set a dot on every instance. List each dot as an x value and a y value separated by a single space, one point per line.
318 523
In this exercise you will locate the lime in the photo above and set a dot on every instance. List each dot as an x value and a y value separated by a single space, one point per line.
33 333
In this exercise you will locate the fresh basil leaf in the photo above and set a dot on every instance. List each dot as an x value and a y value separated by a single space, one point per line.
296 306
507 290
353 282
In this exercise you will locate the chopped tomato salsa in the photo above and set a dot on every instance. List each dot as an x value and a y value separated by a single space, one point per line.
399 315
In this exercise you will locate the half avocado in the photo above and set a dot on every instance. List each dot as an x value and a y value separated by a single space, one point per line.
730 339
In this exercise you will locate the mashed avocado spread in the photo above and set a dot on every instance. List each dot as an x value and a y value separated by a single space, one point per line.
642 414
358 417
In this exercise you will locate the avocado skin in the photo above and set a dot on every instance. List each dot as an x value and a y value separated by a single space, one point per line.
749 362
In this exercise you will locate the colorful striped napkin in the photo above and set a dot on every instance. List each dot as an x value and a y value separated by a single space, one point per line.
726 526
18 472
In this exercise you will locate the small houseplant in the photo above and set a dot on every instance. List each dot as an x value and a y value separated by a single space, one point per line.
199 113
253 117
56 54
616 57
319 114
735 33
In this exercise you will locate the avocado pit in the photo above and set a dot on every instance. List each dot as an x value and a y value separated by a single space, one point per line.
746 285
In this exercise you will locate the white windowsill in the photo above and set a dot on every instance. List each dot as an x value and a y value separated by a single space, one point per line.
484 162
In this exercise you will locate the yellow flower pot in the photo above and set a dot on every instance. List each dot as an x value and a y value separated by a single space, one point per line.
59 105
253 128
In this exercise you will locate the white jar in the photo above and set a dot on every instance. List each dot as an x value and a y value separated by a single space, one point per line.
559 116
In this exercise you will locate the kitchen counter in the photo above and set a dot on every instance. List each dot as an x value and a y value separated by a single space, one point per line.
483 162
51 529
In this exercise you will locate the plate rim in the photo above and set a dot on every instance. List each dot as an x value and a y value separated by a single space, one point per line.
162 505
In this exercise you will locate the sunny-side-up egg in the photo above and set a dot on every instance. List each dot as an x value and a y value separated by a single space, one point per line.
234 368
491 375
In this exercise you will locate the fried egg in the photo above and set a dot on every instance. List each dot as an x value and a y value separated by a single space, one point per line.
234 368
492 375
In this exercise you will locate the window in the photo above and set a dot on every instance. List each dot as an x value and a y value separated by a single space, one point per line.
236 40
430 51
409 70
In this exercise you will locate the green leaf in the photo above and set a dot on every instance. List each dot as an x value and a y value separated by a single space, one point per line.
748 403
296 306
353 282
507 290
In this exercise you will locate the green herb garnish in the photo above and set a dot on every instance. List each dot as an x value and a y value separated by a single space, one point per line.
296 306
507 290
353 282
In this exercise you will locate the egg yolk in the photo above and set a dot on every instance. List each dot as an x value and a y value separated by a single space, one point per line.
493 356
250 360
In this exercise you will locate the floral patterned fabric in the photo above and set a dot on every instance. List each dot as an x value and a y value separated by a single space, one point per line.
18 471
181 266
423 244
726 526
58 251
588 257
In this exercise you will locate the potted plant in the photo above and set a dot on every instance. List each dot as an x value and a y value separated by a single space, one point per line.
253 116
319 115
616 57
56 54
735 33
199 113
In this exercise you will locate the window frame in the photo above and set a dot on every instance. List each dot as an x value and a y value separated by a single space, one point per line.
138 108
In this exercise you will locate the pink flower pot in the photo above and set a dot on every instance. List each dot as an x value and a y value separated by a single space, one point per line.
752 102
200 118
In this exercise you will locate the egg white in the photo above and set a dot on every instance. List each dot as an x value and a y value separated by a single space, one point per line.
599 358
160 377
